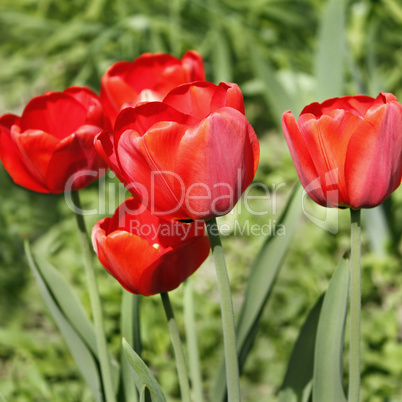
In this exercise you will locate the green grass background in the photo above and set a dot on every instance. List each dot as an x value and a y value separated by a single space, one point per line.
281 55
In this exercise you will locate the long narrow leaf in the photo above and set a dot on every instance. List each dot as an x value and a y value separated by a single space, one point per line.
296 386
145 395
142 374
328 367
127 331
68 302
260 283
377 229
79 350
275 94
330 52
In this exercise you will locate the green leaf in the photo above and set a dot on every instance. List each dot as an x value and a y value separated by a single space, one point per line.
127 331
260 283
81 354
221 56
264 272
275 95
331 49
142 374
67 301
145 395
296 386
377 229
328 366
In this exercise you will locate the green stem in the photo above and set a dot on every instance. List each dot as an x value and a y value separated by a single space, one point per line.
355 308
95 303
192 342
228 322
178 349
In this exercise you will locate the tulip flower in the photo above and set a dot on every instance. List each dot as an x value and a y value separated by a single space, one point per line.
188 157
146 254
348 151
51 145
148 78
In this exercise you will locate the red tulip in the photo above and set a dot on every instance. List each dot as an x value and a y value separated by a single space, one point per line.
348 151
188 157
53 140
146 254
148 78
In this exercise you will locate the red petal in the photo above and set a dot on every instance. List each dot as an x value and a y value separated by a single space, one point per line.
357 105
227 94
91 102
114 94
327 139
174 268
302 159
144 116
194 66
12 159
149 165
55 113
132 216
128 256
193 99
217 161
374 157
75 163
36 148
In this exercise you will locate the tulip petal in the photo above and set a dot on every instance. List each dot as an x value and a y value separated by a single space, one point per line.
91 103
144 116
169 271
104 145
357 105
327 139
13 160
229 95
193 65
302 159
36 148
193 99
217 161
149 165
75 162
55 113
374 157
128 256
114 93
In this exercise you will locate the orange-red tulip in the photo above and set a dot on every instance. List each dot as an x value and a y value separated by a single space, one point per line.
146 254
148 78
51 145
188 157
348 151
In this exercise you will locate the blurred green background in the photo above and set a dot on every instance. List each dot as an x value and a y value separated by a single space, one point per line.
283 54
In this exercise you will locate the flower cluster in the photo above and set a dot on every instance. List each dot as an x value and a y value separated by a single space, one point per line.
181 145
185 150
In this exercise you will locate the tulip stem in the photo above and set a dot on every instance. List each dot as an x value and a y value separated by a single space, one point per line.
192 342
228 322
101 345
355 308
178 349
